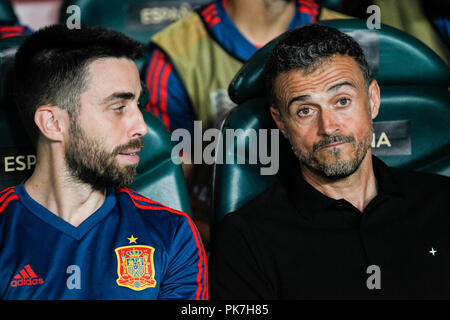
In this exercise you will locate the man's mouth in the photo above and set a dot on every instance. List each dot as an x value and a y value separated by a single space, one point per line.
335 144
130 153
131 157
332 141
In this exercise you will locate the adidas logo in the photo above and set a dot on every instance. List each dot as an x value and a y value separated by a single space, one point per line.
26 277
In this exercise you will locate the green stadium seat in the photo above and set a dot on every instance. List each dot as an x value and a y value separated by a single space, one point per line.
411 130
158 178
7 12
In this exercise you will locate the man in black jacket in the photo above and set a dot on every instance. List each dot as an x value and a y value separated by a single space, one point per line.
340 224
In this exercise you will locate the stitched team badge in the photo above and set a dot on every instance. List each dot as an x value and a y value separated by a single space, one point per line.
135 267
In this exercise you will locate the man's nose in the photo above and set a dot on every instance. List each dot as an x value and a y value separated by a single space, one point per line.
139 127
328 122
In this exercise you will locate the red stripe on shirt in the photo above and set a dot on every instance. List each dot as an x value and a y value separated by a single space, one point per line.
208 9
307 11
8 35
214 21
201 250
7 189
309 8
210 15
150 71
309 3
155 82
4 195
163 92
12 28
7 201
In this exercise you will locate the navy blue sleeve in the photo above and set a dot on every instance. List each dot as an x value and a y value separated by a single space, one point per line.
187 275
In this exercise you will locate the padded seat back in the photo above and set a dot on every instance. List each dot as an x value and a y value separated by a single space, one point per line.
7 12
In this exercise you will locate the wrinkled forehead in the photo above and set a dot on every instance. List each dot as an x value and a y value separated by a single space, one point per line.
318 77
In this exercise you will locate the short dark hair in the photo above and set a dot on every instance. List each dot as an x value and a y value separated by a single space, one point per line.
50 67
305 48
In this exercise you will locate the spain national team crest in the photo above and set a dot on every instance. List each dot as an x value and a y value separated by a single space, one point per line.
135 267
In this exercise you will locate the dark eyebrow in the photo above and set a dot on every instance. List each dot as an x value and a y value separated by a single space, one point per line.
121 96
306 97
302 98
338 85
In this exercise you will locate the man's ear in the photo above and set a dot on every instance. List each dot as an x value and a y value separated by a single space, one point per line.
374 98
51 121
277 117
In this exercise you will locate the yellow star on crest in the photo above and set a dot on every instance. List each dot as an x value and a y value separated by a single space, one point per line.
132 239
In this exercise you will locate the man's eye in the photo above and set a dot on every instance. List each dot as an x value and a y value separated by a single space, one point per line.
119 109
304 112
343 102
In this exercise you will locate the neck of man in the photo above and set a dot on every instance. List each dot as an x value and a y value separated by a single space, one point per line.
359 188
261 20
52 186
